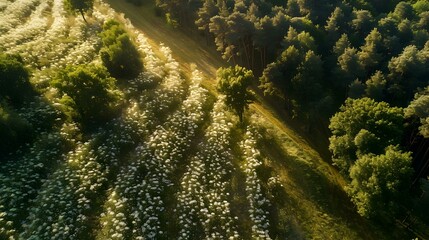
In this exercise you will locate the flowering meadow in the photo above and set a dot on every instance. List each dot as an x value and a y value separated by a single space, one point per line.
160 168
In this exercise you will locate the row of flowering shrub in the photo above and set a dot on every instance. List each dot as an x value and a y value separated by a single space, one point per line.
64 42
63 204
37 52
21 177
32 29
15 13
63 207
203 201
136 205
257 201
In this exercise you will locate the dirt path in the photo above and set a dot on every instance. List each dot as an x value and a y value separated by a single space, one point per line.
186 50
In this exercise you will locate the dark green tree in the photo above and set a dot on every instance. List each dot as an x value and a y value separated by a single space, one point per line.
408 72
362 22
376 86
424 21
207 11
306 87
88 93
14 80
404 10
419 107
418 115
293 9
341 45
80 5
379 183
119 54
356 89
234 82
370 55
359 121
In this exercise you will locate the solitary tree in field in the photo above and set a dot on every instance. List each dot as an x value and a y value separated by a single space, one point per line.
80 5
233 82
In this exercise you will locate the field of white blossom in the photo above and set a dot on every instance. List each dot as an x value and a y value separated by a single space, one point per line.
163 169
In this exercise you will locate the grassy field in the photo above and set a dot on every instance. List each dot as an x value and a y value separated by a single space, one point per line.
311 203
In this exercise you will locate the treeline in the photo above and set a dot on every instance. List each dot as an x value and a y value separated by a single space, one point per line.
313 55
306 50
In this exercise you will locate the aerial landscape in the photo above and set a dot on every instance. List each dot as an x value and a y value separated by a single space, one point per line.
214 119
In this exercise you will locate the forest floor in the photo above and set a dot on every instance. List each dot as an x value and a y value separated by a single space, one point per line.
313 205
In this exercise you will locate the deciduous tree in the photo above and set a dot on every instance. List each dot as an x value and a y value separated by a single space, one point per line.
234 83
119 54
80 5
89 91
379 183
14 79
377 119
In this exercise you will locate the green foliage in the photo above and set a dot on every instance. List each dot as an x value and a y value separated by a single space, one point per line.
421 6
88 94
363 126
341 45
205 13
363 22
79 5
356 89
380 182
14 130
350 64
375 86
119 54
14 80
419 108
233 82
408 72
370 55
404 10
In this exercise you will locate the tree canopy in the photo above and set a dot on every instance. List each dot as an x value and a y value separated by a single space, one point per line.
80 5
119 54
363 126
234 83
379 183
14 79
419 107
88 93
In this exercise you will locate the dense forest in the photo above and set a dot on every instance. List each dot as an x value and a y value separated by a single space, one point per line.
104 136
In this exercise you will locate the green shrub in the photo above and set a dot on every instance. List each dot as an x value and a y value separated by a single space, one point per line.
89 94
14 79
119 54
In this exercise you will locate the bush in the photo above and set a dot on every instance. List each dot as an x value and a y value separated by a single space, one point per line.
119 54
14 79
89 94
